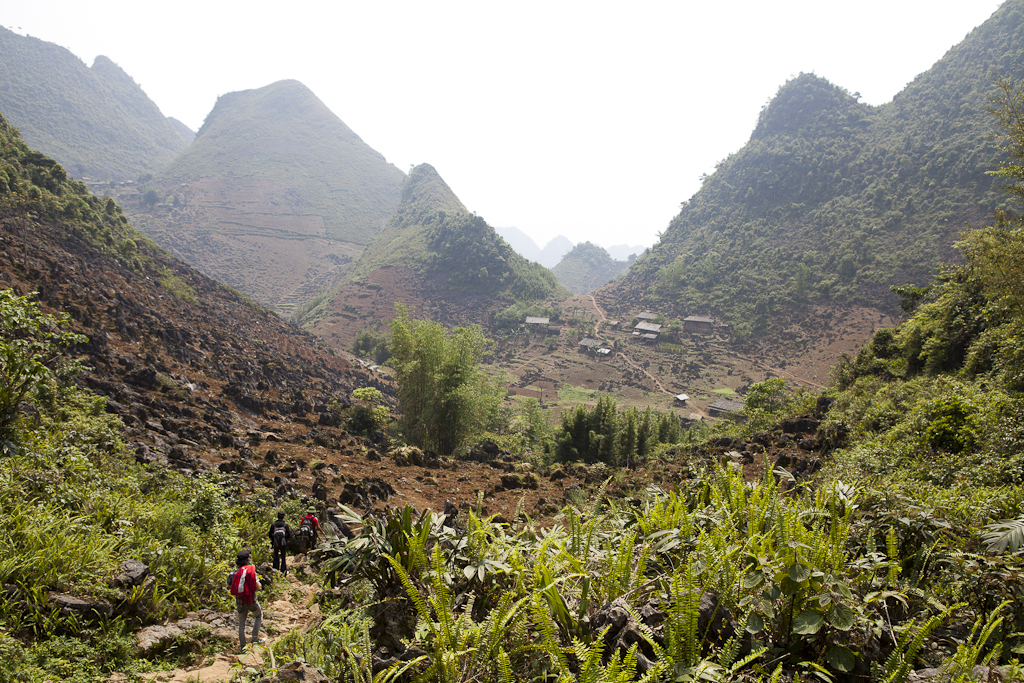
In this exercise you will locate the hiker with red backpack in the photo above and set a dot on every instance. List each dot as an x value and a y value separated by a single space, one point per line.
279 536
309 529
243 584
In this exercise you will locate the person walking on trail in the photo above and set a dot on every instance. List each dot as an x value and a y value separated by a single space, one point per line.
243 584
309 528
279 535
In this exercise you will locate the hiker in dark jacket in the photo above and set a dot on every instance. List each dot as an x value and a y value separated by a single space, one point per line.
309 529
279 536
243 584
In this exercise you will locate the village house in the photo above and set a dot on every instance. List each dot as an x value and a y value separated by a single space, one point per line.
647 331
723 406
698 323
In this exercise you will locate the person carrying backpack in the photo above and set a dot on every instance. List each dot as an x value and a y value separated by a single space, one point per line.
243 584
309 528
279 536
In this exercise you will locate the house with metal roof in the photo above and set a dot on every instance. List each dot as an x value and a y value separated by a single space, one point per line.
723 406
698 323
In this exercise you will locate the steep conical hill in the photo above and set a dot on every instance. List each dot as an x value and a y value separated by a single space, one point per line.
586 268
276 195
283 133
832 201
434 255
96 122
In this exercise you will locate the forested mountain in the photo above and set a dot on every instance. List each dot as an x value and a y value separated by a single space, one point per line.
586 268
95 122
276 195
833 201
445 262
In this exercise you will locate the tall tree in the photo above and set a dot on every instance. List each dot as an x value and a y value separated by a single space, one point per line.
445 397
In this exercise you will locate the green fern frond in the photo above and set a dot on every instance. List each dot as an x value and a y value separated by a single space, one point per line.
549 635
898 665
411 591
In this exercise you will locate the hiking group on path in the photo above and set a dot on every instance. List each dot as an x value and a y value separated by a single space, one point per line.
244 583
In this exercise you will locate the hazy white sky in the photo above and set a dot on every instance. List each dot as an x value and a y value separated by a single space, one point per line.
590 119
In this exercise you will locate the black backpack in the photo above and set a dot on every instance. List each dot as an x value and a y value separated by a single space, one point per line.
306 528
280 538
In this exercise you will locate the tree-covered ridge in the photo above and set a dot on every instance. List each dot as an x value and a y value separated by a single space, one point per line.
433 233
32 182
834 201
586 268
96 122
284 136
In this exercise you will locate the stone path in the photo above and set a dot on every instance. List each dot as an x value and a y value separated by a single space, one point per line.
295 608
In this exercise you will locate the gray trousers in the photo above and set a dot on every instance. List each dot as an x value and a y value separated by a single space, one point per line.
243 612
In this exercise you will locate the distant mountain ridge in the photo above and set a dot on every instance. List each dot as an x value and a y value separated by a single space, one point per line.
96 122
525 246
832 201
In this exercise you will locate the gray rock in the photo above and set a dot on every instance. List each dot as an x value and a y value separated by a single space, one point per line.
133 573
86 610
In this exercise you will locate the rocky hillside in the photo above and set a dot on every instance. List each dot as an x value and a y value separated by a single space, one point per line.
97 122
192 367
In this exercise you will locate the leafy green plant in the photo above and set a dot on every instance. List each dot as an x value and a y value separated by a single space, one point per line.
31 344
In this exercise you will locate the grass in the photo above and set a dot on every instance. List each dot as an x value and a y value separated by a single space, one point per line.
571 394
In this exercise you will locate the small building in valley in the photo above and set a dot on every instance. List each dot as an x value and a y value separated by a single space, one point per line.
698 323
723 406
644 328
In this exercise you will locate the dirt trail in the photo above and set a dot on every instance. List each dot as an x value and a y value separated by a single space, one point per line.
293 608
600 311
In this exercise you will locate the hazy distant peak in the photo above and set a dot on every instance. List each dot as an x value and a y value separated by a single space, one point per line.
107 68
95 121
265 109
559 242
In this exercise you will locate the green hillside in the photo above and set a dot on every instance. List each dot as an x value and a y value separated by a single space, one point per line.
433 233
96 122
833 201
586 268
283 134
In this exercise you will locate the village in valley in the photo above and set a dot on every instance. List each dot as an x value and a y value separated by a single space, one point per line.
690 366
